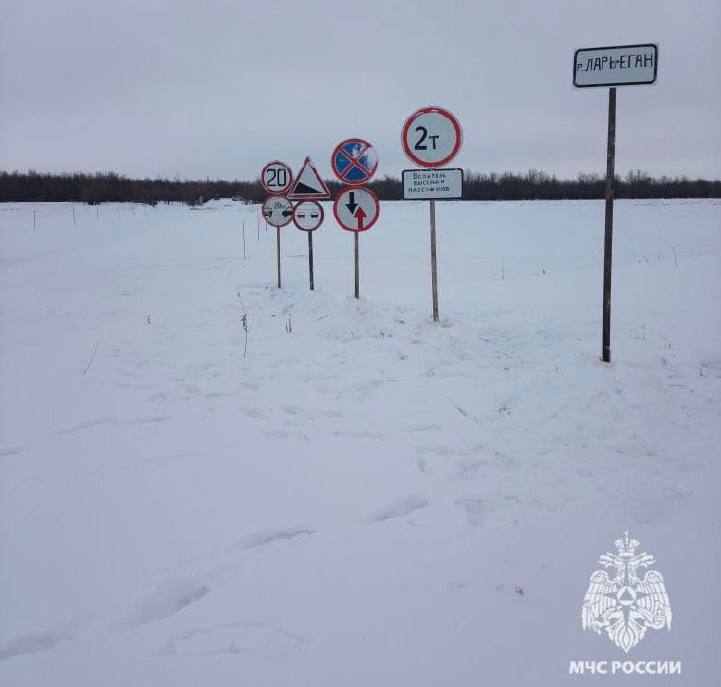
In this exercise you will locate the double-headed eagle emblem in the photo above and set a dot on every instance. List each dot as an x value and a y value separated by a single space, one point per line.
624 604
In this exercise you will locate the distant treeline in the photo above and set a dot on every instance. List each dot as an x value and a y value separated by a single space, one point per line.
531 185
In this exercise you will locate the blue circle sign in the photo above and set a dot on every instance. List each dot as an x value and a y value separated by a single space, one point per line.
354 161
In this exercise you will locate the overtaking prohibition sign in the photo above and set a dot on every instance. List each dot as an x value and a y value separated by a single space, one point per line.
432 137
278 211
354 161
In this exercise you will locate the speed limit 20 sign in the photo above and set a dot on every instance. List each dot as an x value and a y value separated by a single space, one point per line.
432 137
276 177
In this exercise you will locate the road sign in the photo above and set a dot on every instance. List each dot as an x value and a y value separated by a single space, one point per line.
432 137
278 211
612 66
356 209
354 161
308 215
617 65
276 177
432 184
308 184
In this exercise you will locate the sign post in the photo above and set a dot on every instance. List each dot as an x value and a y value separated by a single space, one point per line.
432 137
608 228
308 216
354 162
278 212
618 65
276 178
356 209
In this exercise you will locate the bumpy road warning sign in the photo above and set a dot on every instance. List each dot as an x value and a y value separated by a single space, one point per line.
308 185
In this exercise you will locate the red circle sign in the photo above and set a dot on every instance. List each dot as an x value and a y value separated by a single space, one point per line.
432 136
308 215
276 177
278 211
354 161
356 208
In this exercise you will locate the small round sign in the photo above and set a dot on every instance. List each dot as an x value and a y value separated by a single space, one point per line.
356 209
432 137
276 177
278 211
354 161
308 215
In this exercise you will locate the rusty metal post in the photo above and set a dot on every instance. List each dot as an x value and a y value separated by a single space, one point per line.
310 259
608 235
357 289
434 268
277 245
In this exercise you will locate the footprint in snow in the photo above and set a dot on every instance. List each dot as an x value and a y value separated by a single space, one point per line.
33 643
399 509
264 537
261 639
170 597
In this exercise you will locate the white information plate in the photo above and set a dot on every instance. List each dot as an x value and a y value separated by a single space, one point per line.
432 184
618 65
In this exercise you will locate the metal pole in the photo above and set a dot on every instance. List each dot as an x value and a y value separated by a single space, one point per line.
608 235
434 269
244 255
277 246
310 259
357 290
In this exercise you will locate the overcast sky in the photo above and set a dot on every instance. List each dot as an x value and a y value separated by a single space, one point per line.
212 88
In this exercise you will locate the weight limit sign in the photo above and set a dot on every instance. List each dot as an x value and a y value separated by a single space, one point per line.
432 136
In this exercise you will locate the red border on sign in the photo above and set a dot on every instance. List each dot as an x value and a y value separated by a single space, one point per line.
354 162
318 205
277 226
290 176
356 189
448 115
325 195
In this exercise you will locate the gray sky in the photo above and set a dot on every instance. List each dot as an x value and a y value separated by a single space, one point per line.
214 88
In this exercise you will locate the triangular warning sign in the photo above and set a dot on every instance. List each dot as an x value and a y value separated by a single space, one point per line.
308 185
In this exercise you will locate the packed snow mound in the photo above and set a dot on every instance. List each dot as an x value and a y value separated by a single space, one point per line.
207 480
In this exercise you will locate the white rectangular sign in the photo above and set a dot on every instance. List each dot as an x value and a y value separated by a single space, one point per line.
618 65
432 184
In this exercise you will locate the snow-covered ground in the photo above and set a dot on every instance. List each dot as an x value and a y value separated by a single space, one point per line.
362 497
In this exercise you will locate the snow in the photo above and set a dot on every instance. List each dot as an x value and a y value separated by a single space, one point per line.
363 497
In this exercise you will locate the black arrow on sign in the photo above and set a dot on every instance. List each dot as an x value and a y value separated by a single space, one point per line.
352 205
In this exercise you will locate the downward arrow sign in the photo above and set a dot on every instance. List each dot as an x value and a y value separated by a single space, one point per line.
352 205
360 215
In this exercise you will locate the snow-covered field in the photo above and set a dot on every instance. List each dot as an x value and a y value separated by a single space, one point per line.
362 497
